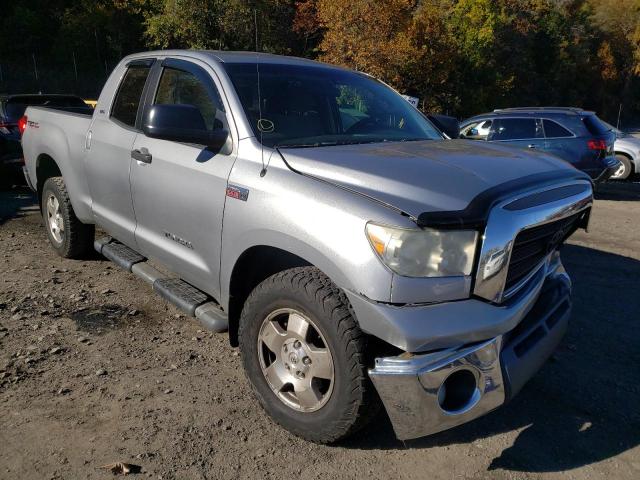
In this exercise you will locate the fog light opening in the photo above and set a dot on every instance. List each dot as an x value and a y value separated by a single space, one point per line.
459 392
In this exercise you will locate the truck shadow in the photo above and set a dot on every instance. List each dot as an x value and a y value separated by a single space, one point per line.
582 407
620 191
16 202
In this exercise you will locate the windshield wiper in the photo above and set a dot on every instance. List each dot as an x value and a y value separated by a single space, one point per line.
348 142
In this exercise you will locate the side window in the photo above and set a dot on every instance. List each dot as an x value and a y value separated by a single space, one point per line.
515 129
178 87
555 130
125 106
476 130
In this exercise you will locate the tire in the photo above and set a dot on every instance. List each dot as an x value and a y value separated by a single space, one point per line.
69 237
350 400
626 168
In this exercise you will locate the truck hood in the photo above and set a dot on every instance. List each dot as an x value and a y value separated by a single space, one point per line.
423 176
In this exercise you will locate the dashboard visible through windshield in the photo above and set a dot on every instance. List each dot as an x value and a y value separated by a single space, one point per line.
299 106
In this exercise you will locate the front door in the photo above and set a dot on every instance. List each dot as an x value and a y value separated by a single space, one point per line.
179 195
518 132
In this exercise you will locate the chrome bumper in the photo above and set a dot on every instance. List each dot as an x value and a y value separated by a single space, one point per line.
428 393
415 394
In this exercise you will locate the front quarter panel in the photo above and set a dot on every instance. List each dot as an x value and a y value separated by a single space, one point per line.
321 223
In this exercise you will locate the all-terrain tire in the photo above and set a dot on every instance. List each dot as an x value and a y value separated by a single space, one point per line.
353 400
74 239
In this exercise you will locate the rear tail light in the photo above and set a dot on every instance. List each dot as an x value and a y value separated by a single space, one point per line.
597 144
22 124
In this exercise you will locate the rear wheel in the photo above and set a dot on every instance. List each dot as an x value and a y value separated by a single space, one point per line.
625 169
304 356
69 237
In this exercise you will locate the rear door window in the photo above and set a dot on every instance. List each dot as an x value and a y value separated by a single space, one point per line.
515 129
125 106
555 130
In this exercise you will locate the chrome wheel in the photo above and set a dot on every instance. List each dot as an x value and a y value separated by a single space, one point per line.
295 360
620 171
55 222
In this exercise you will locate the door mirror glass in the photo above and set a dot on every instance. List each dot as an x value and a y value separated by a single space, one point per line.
182 123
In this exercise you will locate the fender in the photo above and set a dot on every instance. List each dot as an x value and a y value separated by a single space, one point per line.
67 151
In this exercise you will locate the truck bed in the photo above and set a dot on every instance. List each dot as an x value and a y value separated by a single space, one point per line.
61 135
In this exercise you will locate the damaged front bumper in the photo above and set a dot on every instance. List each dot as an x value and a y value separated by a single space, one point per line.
427 393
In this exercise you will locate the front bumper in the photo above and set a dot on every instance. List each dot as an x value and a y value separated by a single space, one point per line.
427 393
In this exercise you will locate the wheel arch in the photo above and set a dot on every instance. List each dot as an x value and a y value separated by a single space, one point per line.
634 163
254 265
46 167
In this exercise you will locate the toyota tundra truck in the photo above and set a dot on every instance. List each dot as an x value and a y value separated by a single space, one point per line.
357 258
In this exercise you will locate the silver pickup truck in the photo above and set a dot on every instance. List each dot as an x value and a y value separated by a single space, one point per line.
356 257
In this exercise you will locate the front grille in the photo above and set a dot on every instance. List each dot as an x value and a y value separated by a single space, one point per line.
533 244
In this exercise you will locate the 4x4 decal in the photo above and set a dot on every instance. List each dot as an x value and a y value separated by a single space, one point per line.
239 193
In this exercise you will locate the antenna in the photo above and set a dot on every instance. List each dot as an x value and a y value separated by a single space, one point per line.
263 172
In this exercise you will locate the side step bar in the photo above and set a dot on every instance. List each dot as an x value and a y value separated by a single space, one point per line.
186 297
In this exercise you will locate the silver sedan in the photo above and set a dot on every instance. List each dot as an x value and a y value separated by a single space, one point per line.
627 150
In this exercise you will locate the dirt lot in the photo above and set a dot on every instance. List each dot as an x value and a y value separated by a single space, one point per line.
94 369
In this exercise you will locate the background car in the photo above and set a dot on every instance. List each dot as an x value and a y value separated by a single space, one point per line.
627 151
12 109
573 134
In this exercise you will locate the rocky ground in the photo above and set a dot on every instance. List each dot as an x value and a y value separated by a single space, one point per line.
95 369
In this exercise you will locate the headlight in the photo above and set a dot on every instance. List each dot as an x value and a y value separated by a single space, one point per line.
424 252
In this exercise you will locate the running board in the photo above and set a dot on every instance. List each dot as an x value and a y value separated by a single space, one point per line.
186 297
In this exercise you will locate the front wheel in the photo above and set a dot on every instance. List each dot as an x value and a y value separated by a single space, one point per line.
304 356
69 237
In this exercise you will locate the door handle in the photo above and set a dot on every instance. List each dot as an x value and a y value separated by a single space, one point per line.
531 145
141 155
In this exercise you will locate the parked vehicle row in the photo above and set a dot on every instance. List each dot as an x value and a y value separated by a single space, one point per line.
12 108
573 134
355 255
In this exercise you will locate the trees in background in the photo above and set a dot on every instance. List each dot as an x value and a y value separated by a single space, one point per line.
457 56
468 56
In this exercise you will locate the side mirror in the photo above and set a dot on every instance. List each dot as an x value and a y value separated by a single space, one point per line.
449 125
181 123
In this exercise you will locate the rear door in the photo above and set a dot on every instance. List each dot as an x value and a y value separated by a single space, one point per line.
108 162
519 132
179 196
561 142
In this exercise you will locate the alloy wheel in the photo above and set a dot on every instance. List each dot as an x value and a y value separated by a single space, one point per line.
55 222
295 360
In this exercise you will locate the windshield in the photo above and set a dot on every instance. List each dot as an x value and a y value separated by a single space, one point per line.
318 106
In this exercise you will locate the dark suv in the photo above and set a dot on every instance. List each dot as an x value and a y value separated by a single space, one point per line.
573 134
12 109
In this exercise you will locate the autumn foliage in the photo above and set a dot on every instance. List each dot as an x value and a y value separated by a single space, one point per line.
458 56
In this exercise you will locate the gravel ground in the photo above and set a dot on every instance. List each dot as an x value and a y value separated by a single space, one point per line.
94 369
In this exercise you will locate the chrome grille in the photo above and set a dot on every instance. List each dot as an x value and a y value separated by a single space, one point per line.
532 245
522 231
